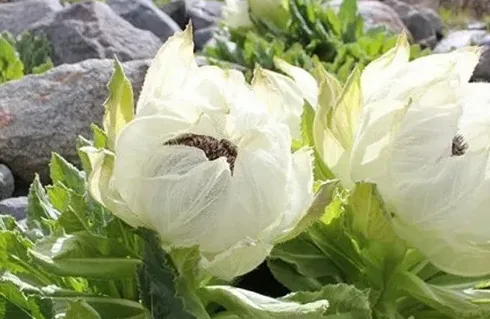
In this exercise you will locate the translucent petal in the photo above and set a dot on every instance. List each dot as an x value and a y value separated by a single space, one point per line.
235 14
306 82
282 96
380 71
300 198
101 188
474 124
422 73
259 191
183 208
169 69
374 139
238 260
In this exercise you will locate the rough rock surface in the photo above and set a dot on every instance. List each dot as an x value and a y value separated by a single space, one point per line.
45 113
7 184
15 207
375 14
16 17
144 14
90 30
420 25
204 13
462 38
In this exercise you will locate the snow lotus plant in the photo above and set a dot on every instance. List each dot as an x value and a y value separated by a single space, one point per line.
410 143
205 161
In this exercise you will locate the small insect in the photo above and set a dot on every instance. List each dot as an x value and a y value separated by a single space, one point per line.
459 146
212 147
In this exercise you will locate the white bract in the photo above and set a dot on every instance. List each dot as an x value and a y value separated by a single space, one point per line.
236 13
421 132
288 92
204 162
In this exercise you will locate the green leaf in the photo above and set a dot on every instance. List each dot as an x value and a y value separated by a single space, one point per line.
18 303
157 280
323 198
300 265
248 304
65 173
41 215
368 214
100 137
189 279
85 255
456 301
81 310
345 301
119 108
320 170
11 67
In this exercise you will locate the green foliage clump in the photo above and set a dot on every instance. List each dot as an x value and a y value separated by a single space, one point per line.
11 67
25 54
314 32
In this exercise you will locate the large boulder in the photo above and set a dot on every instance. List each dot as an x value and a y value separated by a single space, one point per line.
90 29
420 23
462 38
16 17
482 70
45 113
144 14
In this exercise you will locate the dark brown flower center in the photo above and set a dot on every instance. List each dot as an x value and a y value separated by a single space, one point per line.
212 147
459 146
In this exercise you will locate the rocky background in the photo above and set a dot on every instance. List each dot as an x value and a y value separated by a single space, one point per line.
40 114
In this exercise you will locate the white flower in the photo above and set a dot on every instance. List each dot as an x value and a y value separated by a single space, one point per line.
421 132
235 14
203 162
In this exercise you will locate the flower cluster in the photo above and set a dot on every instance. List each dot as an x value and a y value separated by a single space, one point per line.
207 158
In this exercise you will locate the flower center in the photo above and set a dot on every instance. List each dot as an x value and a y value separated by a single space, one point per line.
459 146
212 147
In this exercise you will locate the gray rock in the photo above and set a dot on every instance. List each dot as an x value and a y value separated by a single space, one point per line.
90 30
476 25
177 11
15 207
16 17
435 21
417 23
45 113
375 15
143 14
204 13
482 70
7 184
204 36
462 38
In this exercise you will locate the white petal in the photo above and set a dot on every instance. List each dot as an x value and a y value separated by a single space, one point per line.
301 196
282 96
237 260
235 14
169 69
101 188
379 72
474 124
185 209
374 139
306 82
422 73
259 188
